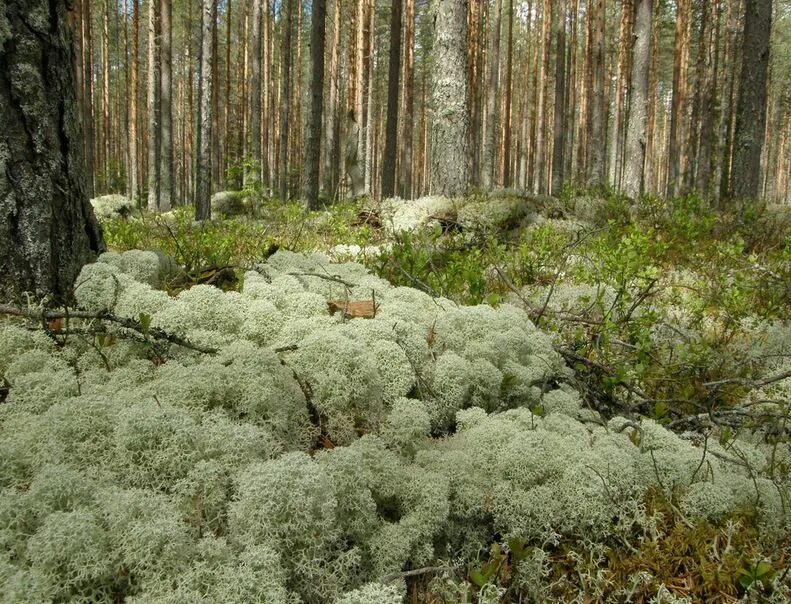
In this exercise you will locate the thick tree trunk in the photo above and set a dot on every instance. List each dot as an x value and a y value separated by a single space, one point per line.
205 85
751 108
166 110
313 142
615 137
450 126
47 228
391 129
638 99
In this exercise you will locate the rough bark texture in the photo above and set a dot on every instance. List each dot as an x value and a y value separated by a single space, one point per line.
47 228
134 166
634 158
751 108
450 126
391 128
166 110
313 142
203 175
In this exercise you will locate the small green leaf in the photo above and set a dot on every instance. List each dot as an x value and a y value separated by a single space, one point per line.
478 578
145 323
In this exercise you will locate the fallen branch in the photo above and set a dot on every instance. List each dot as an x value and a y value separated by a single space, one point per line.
53 315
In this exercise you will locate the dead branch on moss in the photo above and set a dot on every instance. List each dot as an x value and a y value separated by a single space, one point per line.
49 316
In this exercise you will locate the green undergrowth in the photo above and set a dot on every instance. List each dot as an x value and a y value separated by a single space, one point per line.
561 401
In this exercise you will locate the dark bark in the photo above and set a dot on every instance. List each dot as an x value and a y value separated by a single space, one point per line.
204 147
751 108
166 110
313 142
560 100
285 94
47 227
391 127
255 92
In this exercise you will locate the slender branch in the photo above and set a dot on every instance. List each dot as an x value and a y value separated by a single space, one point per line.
156 333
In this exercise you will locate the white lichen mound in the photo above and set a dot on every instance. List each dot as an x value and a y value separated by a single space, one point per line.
112 206
313 454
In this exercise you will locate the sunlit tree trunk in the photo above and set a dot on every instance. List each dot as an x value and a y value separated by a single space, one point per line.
450 128
638 99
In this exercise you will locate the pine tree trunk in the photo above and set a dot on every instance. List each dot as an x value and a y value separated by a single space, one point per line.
134 164
313 142
391 129
254 176
47 228
450 128
285 96
205 86
104 163
709 101
408 104
509 83
615 137
597 116
492 106
87 78
560 101
751 108
153 109
677 148
638 99
166 110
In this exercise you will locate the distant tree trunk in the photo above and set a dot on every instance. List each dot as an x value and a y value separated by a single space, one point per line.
597 117
638 99
331 161
216 147
709 113
255 94
678 111
450 127
615 137
751 108
87 71
134 165
153 110
313 142
509 85
166 108
492 104
408 104
285 95
391 129
205 85
47 228
560 101
650 182
105 157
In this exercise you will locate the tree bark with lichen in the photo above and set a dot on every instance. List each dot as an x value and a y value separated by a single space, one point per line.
47 227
